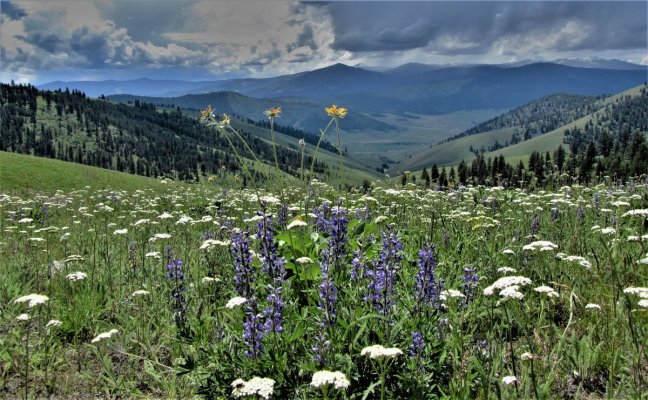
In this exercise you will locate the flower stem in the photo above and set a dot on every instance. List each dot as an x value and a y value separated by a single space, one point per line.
323 132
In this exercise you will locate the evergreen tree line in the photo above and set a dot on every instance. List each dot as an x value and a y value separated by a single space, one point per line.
612 144
137 139
538 117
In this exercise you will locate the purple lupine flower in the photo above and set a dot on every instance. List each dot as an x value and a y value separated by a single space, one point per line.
243 273
274 267
274 312
580 213
417 346
359 261
596 201
321 348
205 235
253 330
535 224
555 214
428 287
338 239
327 293
323 217
469 286
282 216
175 274
383 273
44 214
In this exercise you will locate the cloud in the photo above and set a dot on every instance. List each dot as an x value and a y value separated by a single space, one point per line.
479 27
264 38
11 10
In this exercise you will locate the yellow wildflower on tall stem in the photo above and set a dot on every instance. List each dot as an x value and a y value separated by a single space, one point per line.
335 113
272 113
207 116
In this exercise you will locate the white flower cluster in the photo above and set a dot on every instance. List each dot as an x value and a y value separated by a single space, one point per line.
296 224
76 276
451 293
575 259
259 386
505 282
33 299
378 351
104 335
549 291
642 292
637 213
541 245
209 243
323 378
235 301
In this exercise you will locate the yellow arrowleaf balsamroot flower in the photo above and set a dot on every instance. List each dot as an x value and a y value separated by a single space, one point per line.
272 112
225 121
207 112
336 112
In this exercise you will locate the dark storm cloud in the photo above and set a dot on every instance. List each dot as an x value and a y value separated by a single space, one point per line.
456 27
11 10
305 39
148 20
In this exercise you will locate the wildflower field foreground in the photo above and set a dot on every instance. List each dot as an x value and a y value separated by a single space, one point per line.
205 292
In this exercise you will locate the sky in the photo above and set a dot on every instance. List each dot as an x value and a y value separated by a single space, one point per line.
46 40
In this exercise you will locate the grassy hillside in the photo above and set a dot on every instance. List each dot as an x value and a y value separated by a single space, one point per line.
19 172
551 140
452 152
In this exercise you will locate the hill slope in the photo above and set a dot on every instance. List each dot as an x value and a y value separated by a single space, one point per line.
19 172
136 139
453 151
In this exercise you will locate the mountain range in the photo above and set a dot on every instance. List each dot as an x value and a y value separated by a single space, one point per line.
404 85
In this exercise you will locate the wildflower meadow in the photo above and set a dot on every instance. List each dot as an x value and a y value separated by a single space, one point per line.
301 290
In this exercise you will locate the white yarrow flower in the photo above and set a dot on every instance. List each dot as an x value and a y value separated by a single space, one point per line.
296 224
76 276
120 231
104 335
140 293
54 322
594 306
23 317
378 351
509 380
541 245
505 282
303 260
236 301
255 386
549 291
33 299
323 378
153 254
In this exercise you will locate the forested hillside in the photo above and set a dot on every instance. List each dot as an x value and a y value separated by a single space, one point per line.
137 139
614 140
538 117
